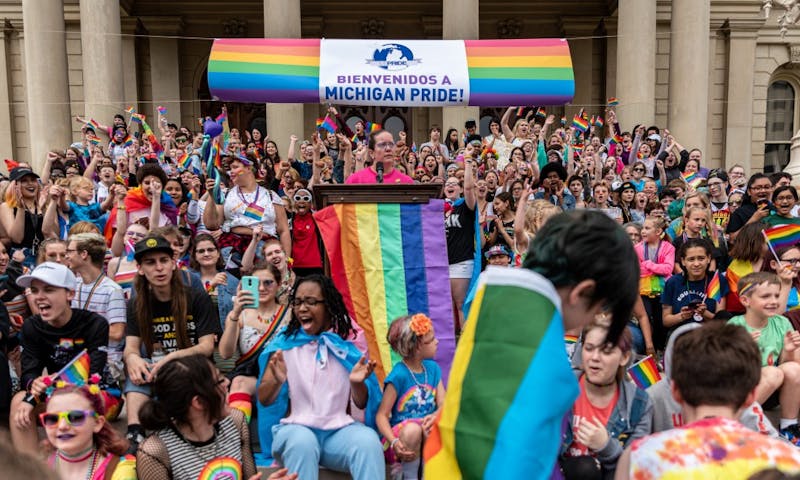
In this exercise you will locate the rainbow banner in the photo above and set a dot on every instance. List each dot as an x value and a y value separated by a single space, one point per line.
390 260
76 372
392 72
783 236
713 289
509 388
644 373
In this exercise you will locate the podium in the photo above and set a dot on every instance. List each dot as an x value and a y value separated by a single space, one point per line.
331 194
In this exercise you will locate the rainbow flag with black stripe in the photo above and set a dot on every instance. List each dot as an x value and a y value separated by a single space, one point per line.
390 260
509 388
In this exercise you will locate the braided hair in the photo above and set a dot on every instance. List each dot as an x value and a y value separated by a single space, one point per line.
334 305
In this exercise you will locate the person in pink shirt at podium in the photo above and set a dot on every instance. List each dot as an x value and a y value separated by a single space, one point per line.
381 147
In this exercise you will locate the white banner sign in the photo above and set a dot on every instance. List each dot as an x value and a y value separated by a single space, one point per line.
393 72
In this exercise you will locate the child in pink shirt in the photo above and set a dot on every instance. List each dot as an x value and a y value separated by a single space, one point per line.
656 262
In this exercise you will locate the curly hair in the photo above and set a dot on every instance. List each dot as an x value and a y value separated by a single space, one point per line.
334 306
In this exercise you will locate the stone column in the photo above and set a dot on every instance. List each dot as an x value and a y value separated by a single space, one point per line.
459 22
130 94
739 114
282 20
101 47
794 160
636 62
611 59
688 72
581 51
165 79
46 80
7 143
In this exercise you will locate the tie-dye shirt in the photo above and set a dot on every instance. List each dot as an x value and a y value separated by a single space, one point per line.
711 448
416 396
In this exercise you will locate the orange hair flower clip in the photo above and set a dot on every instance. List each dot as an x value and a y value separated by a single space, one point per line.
420 324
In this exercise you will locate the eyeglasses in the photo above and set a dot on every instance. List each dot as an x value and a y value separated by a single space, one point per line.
638 169
267 282
451 184
71 250
735 203
302 198
74 418
181 140
793 261
385 145
762 188
203 251
308 301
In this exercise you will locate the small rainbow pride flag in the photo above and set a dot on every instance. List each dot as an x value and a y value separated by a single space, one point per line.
713 288
520 111
783 236
254 211
489 422
372 127
693 179
93 139
130 110
76 372
185 161
93 123
563 120
599 122
390 260
616 139
644 373
162 111
541 112
612 102
580 123
570 339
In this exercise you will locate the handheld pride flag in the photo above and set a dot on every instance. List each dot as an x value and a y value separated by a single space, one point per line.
372 127
693 179
76 372
713 288
783 235
490 422
162 111
580 123
327 123
644 373
613 102
541 112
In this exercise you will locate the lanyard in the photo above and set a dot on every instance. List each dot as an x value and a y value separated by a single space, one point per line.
255 200
647 251
91 292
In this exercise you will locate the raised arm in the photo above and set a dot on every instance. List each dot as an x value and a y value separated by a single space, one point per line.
504 124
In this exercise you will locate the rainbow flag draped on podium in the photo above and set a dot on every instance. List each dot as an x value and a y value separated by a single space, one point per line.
509 387
390 260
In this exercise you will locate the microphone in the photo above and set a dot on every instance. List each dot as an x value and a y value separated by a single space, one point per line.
379 171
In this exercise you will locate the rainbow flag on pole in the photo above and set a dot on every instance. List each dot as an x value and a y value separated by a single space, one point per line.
644 373
76 372
580 123
713 288
613 102
783 235
327 123
509 388
390 260
693 179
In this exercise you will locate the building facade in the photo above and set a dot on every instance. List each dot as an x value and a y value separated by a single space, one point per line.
715 72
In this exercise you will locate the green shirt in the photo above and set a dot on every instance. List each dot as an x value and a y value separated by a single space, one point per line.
775 220
771 340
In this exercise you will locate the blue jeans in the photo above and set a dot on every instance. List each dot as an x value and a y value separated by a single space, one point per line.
638 338
353 449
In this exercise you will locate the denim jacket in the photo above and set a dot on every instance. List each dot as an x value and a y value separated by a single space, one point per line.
225 295
631 418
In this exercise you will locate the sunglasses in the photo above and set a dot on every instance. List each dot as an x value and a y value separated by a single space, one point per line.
302 198
74 418
638 169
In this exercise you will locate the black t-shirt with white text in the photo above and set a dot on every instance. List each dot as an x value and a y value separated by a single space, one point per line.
201 320
459 227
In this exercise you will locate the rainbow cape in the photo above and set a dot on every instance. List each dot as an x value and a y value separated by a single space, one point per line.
76 372
502 425
390 260
644 373
693 179
783 235
713 289
135 201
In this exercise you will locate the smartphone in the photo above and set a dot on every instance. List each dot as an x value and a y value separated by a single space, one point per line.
250 283
694 304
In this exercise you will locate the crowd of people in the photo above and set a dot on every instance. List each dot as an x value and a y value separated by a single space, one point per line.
189 267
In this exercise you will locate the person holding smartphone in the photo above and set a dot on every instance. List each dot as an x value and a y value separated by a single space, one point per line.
166 320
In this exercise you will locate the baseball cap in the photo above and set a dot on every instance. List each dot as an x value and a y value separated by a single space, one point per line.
497 250
470 124
51 273
654 136
20 172
152 244
626 186
718 174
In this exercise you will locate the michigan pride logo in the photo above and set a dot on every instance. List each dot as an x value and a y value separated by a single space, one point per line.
393 57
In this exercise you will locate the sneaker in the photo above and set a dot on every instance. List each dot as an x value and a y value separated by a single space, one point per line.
134 439
791 434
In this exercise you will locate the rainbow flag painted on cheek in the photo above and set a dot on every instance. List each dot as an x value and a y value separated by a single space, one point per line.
644 373
390 260
509 388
